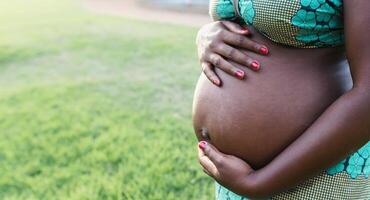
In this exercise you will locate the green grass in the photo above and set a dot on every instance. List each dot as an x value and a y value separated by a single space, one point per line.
95 107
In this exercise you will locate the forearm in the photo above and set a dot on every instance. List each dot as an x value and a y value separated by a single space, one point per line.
342 129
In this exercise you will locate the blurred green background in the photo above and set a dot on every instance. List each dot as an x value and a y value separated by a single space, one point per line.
95 106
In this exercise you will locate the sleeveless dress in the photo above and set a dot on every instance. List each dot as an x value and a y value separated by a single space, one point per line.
303 24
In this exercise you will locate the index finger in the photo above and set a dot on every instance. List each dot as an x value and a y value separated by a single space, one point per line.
236 28
244 42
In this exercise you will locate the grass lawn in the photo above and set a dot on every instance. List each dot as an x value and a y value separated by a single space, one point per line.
95 107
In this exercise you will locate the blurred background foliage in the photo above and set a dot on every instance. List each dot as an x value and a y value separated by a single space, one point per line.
95 106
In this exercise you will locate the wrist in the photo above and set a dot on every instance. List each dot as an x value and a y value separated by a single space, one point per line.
253 186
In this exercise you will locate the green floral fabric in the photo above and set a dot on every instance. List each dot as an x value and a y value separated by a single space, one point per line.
247 11
225 9
223 193
318 23
355 165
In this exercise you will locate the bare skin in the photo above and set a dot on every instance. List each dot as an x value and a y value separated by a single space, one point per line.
217 42
299 114
256 118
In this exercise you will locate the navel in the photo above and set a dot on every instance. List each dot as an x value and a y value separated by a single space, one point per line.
204 134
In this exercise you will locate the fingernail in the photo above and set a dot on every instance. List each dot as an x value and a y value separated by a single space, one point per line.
202 145
255 65
245 30
239 74
217 82
264 50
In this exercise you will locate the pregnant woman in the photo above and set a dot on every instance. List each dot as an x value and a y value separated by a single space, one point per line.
282 110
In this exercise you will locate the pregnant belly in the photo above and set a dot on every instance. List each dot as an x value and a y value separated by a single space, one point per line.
255 119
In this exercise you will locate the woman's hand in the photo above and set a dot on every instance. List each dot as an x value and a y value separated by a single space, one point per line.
218 42
230 171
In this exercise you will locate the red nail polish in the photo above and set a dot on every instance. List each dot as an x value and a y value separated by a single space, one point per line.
202 145
239 74
264 51
255 65
245 30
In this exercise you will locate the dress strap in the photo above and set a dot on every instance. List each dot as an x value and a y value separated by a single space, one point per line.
236 9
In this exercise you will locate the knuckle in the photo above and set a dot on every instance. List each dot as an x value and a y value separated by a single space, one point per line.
231 53
202 55
218 161
216 60
241 40
213 45
220 33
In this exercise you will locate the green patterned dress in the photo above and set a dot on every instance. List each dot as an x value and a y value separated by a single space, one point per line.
298 23
303 24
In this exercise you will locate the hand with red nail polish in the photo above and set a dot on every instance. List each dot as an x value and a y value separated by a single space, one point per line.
223 42
228 170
